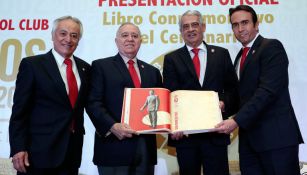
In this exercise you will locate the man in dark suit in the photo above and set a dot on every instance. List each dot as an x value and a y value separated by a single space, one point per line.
46 127
269 134
214 72
118 150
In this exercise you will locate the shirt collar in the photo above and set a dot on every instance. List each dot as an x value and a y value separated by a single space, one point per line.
201 47
127 59
59 59
250 44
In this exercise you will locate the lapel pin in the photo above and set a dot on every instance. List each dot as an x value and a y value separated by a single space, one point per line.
253 51
142 66
83 69
212 50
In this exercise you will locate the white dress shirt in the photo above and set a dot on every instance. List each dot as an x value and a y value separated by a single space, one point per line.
136 67
202 55
62 68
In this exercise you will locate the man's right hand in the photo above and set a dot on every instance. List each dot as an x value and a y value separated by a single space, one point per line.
21 161
122 130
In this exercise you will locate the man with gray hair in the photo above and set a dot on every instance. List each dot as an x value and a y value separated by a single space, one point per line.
202 67
46 126
118 149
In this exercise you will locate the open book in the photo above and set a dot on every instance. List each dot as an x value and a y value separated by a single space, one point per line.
157 110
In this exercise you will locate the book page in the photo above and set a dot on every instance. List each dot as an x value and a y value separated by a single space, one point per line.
146 110
195 111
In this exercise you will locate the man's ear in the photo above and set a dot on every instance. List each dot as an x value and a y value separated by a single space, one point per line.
203 26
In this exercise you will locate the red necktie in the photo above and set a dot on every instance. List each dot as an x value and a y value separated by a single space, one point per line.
72 82
133 74
244 54
196 61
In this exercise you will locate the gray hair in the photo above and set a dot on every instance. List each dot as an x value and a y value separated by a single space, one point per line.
192 13
76 20
127 23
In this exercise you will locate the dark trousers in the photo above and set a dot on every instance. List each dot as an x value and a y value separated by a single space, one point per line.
68 167
142 166
283 161
213 159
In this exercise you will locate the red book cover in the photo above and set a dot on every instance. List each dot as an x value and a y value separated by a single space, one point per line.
147 109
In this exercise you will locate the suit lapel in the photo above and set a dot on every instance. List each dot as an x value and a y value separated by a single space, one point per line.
143 74
250 54
209 61
122 68
81 71
185 56
237 59
52 70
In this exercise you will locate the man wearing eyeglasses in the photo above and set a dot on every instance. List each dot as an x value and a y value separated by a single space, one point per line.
202 67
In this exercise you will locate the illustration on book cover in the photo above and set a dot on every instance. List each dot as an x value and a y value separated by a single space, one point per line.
149 108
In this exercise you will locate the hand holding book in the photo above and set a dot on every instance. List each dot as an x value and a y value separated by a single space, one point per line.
122 131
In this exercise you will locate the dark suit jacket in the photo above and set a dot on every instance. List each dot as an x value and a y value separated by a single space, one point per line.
220 76
266 118
110 77
42 114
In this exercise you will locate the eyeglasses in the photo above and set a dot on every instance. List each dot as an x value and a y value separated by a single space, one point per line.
193 25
